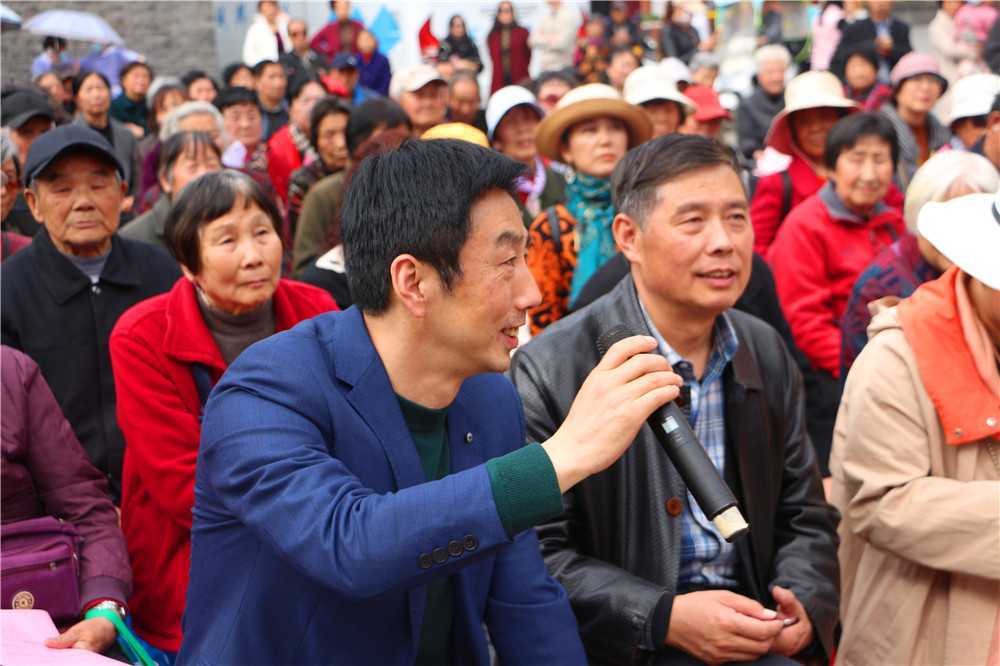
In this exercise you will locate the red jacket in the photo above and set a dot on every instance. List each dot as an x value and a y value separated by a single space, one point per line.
519 54
152 348
283 158
816 258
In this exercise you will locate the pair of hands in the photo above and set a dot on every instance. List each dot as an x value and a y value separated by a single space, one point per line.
718 626
96 634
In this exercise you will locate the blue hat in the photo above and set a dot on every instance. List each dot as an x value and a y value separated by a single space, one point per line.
54 143
344 61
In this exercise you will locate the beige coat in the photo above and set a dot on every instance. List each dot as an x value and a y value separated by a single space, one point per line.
920 533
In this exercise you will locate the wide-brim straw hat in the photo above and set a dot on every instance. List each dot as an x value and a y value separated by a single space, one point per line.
966 230
809 90
594 100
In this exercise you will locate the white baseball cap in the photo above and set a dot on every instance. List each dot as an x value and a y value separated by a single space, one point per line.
973 96
651 82
412 79
504 100
966 230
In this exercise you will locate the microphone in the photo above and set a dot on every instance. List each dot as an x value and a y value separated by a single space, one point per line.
672 431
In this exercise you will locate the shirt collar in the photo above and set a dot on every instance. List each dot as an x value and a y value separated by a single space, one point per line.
724 343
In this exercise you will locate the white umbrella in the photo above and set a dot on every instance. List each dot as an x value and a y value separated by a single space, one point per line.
9 20
70 24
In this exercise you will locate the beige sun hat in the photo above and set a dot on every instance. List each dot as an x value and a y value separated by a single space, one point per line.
973 244
594 100
809 90
651 82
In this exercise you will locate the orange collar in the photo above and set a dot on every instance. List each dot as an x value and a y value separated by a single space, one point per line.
967 408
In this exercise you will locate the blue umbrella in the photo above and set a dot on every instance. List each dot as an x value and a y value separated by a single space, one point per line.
8 19
70 24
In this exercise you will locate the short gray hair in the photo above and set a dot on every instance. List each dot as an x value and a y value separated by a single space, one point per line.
172 124
943 171
772 52
8 150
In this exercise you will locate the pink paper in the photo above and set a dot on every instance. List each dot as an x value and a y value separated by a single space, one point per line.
22 642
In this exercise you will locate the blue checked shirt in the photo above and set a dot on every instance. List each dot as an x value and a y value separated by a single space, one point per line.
707 560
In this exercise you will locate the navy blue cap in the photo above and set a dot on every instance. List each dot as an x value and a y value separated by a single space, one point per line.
60 140
344 60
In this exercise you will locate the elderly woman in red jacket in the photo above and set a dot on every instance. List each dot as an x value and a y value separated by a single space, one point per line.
830 237
168 351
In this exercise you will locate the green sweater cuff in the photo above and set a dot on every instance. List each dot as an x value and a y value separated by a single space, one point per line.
525 488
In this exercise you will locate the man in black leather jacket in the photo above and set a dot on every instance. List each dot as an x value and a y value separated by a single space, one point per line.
649 579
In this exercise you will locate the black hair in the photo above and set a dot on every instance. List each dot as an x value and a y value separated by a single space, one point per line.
232 96
157 102
566 75
182 143
300 85
370 114
618 50
415 200
133 65
259 68
205 199
854 127
323 108
53 43
865 50
996 104
230 71
462 75
82 77
193 75
644 168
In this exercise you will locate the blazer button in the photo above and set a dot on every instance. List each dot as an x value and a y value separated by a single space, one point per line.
425 561
455 548
440 555
468 438
674 506
470 543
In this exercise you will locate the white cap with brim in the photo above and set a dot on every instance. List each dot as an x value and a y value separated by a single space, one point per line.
650 83
504 101
966 231
973 96
412 79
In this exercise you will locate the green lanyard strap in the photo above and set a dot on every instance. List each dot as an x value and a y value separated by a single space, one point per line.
129 643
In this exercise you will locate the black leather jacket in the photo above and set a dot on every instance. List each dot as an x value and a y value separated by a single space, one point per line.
616 548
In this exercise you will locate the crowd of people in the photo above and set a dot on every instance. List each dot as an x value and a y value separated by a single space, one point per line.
254 327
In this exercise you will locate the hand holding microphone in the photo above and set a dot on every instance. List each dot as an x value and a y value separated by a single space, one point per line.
674 434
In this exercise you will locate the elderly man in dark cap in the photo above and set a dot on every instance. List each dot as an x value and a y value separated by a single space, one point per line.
26 114
63 294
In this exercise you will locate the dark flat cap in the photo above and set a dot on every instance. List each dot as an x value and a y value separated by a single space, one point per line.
56 142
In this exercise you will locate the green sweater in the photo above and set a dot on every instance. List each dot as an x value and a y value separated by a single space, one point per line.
525 491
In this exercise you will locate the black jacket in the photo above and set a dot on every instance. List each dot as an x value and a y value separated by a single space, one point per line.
615 549
863 32
53 314
753 120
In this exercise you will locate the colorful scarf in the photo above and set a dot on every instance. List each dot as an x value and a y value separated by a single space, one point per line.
588 200
530 188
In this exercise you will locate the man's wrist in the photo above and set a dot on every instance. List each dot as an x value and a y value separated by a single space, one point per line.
569 471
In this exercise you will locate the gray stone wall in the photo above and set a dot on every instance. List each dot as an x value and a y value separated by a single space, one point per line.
173 35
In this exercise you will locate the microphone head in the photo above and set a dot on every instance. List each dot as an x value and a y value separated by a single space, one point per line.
611 336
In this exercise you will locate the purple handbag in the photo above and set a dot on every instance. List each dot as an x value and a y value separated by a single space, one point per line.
40 567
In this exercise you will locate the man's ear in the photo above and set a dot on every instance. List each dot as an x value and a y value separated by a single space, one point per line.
993 120
628 236
31 199
164 183
411 283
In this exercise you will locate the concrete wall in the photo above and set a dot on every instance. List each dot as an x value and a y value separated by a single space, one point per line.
174 36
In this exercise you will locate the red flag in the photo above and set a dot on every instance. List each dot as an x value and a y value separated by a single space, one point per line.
429 44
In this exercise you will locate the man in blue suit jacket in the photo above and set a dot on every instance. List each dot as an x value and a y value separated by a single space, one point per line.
363 495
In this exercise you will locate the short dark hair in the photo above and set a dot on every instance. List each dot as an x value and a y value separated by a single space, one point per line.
181 143
618 50
233 96
82 77
644 168
327 106
415 200
157 104
259 68
566 75
996 104
205 199
133 65
854 127
300 85
370 114
193 75
230 71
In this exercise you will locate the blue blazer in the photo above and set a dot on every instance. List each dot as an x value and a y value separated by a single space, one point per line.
315 532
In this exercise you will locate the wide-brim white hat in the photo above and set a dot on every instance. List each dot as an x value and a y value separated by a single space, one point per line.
966 231
809 90
593 100
651 82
